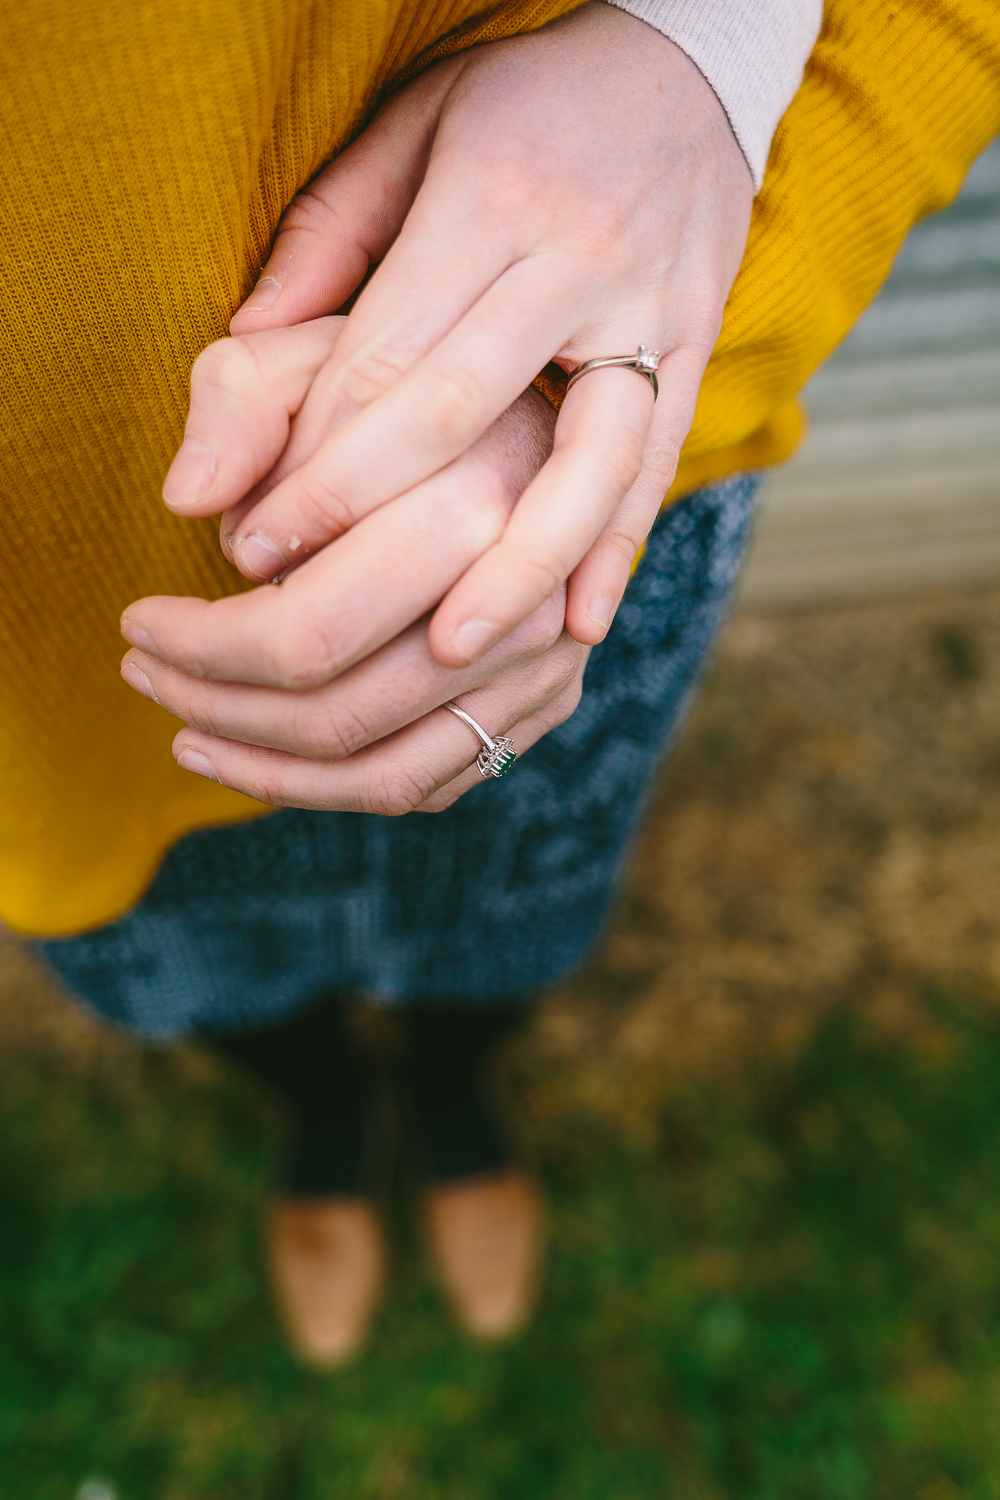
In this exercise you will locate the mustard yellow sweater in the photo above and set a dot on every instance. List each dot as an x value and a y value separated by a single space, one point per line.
148 152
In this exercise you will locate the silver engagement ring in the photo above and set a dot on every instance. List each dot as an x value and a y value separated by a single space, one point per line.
644 362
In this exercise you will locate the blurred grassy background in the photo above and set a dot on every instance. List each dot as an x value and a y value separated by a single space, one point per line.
768 1119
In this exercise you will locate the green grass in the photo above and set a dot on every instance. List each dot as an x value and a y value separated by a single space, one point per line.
786 1286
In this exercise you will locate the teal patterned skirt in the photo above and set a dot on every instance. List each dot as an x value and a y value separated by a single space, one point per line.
501 895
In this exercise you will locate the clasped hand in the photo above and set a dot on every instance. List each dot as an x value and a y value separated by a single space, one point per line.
567 194
320 693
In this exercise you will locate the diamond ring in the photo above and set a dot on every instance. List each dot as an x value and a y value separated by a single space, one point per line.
644 362
497 755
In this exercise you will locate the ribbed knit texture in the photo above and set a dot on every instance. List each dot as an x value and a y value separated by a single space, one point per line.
752 52
148 153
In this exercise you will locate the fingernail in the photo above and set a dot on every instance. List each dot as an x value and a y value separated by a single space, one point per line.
136 678
193 760
602 611
475 637
259 556
265 294
136 636
192 473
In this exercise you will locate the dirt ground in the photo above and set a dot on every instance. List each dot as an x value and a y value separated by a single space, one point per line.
828 828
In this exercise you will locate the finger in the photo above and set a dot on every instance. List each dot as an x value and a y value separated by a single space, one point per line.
527 733
244 393
490 474
381 694
596 460
597 584
394 776
388 779
449 249
348 216
337 608
421 290
424 421
448 252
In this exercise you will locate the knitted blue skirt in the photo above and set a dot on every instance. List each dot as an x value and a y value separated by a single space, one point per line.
488 902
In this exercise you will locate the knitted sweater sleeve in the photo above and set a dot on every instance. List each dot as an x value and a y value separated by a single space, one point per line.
752 52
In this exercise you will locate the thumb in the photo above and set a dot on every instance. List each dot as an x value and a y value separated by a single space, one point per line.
349 215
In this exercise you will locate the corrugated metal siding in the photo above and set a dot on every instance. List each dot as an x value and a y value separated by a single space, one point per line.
897 487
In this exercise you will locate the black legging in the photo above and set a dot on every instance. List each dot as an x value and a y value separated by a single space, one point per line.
312 1063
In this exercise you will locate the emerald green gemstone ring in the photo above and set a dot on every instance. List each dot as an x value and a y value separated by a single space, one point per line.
497 755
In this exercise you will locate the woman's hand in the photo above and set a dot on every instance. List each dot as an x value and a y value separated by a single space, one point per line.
309 694
571 193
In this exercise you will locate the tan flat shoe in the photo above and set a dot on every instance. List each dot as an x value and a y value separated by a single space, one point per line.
327 1260
486 1235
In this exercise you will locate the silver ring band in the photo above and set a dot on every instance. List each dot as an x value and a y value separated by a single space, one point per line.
497 755
644 362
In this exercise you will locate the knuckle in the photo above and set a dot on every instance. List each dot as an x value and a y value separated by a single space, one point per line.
324 731
324 512
565 704
301 655
309 213
485 513
544 577
228 366
600 240
509 191
702 323
303 212
196 705
558 674
621 457
552 618
702 339
398 789
265 785
442 800
542 629
456 404
569 701
369 373
662 454
202 718
621 542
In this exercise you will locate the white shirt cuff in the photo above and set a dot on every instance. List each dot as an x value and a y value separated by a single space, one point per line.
752 52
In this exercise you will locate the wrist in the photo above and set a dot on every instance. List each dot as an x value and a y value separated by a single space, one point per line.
751 52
